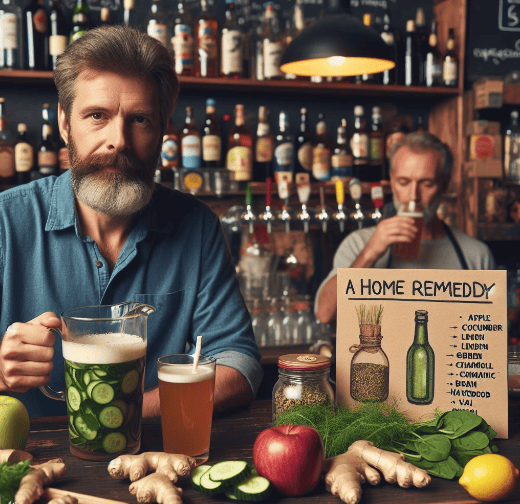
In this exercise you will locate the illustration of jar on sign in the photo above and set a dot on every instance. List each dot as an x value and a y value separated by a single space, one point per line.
369 369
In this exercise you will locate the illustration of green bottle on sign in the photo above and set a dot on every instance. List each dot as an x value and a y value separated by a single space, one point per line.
420 363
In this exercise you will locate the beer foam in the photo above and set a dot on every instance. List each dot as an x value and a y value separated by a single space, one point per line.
183 373
414 215
107 348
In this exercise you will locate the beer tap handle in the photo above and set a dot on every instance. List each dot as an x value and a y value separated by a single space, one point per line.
267 216
268 192
340 198
323 216
356 192
378 198
248 215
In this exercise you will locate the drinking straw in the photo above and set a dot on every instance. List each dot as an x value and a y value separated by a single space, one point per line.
196 357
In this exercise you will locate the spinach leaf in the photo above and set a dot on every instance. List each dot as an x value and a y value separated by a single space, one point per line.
433 447
464 456
487 430
473 440
447 469
450 423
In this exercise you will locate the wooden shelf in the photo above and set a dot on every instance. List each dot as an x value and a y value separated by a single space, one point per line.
506 231
41 78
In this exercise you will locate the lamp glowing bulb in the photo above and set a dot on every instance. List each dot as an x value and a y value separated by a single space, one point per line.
336 61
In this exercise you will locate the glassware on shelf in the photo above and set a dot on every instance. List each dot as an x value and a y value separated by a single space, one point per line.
274 324
259 319
289 324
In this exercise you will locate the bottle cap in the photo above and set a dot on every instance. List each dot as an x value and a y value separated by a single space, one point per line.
359 110
303 362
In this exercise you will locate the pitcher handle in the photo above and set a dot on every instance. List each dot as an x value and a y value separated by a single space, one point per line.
48 391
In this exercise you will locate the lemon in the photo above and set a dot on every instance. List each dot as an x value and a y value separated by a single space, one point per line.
489 477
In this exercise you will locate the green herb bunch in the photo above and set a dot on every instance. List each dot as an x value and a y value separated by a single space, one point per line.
10 477
441 446
373 315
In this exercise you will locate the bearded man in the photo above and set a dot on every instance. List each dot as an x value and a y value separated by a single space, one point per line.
104 233
420 171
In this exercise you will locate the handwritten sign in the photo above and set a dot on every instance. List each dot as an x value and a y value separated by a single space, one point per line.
425 339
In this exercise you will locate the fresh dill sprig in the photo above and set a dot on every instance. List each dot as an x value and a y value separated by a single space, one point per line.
10 477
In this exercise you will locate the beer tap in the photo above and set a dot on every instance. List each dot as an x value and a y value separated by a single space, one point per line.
268 216
323 215
356 192
284 193
248 216
378 198
303 187
340 216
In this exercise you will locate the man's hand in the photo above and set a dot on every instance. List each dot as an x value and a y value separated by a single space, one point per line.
397 229
26 353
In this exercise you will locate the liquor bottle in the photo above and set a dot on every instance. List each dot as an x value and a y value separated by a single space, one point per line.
80 20
420 363
303 146
36 36
157 24
283 161
206 26
59 30
450 63
7 159
128 7
368 78
360 145
398 130
10 34
411 56
293 28
211 139
272 44
169 152
47 152
421 32
231 56
377 146
105 16
23 156
432 64
191 151
321 152
512 149
341 159
239 158
390 38
264 147
183 42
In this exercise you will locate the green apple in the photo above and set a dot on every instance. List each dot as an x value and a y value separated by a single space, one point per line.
14 423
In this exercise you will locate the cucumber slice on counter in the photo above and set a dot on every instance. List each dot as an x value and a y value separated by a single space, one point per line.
230 494
253 489
208 486
230 472
197 474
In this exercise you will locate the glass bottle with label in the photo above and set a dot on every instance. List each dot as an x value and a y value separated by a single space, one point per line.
341 159
211 139
7 158
272 43
377 146
411 56
47 151
512 149
239 158
157 24
36 36
206 26
80 20
264 147
183 42
321 151
420 364
105 16
169 152
368 78
360 144
128 7
432 65
58 33
283 160
303 145
389 36
450 63
231 57
23 156
191 151
421 32
10 34
293 28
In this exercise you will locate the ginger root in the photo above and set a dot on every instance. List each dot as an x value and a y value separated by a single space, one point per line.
31 485
345 473
137 466
158 488
64 499
14 456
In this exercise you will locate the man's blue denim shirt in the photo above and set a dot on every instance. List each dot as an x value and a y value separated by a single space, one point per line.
175 259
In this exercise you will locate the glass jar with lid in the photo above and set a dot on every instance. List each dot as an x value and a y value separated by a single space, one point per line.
303 380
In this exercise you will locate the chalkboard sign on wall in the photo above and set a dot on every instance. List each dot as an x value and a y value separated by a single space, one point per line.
493 39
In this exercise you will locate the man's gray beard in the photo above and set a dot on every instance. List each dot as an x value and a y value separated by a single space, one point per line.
429 212
111 193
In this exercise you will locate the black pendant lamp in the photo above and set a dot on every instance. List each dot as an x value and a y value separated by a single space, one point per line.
337 44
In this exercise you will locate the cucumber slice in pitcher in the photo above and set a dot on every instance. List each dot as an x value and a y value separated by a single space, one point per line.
114 442
86 426
111 417
130 382
102 393
73 398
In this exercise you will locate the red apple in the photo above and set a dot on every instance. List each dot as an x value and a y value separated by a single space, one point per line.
291 457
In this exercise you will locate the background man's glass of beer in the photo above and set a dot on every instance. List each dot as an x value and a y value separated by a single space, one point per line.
186 404
410 251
